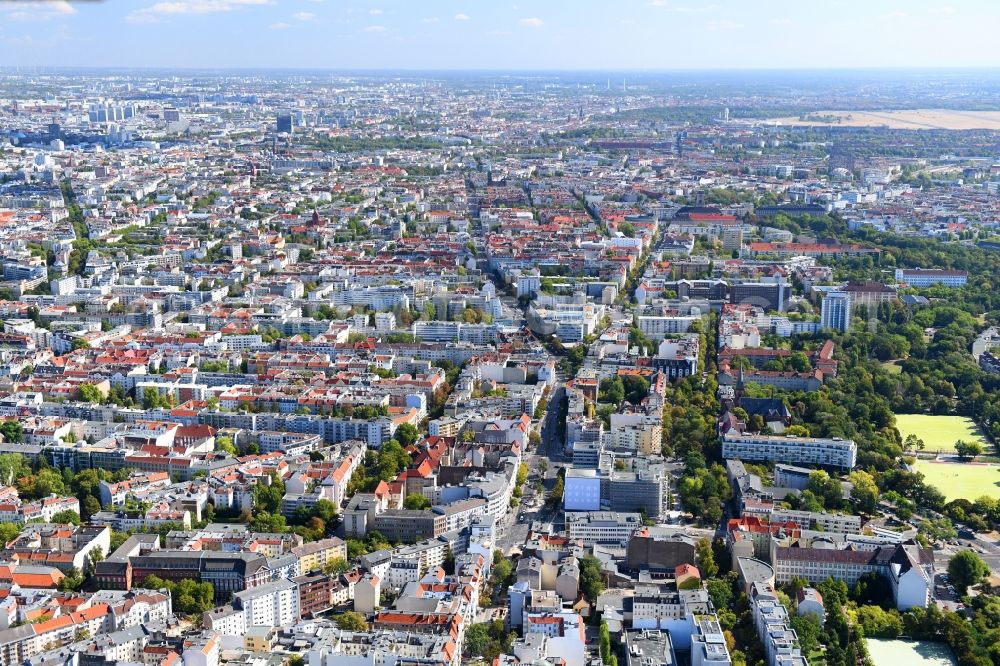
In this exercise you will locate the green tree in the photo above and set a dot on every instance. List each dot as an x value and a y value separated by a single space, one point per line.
416 501
67 517
89 393
705 558
73 580
880 623
799 362
224 443
826 489
938 529
966 569
407 434
721 592
968 450
263 521
502 571
612 390
9 532
605 643
477 640
591 578
12 432
557 492
336 567
636 388
864 493
12 465
808 629
47 482
325 510
351 621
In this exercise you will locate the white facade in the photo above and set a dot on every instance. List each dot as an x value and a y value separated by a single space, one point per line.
273 604
834 452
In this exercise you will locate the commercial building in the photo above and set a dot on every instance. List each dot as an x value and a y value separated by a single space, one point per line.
602 527
408 526
768 296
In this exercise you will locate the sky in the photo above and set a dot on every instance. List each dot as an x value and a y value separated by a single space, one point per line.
499 34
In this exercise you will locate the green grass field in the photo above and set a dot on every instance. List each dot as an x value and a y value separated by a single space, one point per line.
894 652
939 432
961 480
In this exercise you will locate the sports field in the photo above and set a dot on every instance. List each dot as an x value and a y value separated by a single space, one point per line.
939 432
961 480
896 652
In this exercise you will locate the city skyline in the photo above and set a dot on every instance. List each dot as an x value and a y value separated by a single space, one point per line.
653 35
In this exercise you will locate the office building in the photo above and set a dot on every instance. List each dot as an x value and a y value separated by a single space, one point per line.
285 123
602 527
769 296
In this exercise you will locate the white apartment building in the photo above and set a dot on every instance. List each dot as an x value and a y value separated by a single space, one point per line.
708 644
833 452
274 604
781 645
656 328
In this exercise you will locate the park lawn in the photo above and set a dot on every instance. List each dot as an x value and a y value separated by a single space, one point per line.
892 367
961 480
939 432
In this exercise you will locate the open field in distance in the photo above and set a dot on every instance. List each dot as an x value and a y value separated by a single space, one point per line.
912 119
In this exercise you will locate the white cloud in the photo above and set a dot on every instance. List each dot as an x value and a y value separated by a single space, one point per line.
780 21
461 17
280 26
532 22
947 10
430 19
375 28
154 12
304 16
38 11
893 16
375 12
